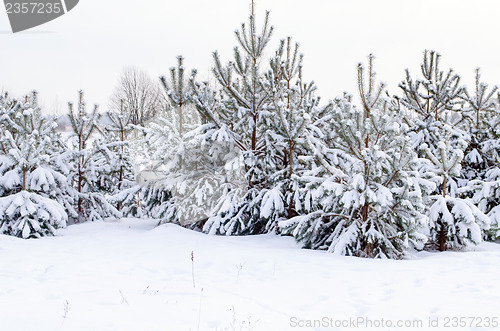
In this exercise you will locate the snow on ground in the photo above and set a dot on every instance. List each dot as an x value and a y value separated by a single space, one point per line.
131 275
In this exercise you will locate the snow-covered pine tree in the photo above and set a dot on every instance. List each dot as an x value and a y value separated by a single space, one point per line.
239 117
223 163
478 112
83 127
178 90
152 151
167 148
430 103
480 107
291 104
33 192
243 107
7 109
189 161
435 92
89 166
117 180
440 134
168 156
363 194
487 194
453 222
480 173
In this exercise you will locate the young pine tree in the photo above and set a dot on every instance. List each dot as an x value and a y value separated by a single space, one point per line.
432 103
117 179
439 136
188 159
292 105
480 173
178 91
241 117
33 192
453 222
362 196
89 165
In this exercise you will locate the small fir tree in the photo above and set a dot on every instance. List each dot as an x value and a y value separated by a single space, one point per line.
453 222
88 165
439 136
239 117
33 193
480 171
117 180
431 104
362 196
291 104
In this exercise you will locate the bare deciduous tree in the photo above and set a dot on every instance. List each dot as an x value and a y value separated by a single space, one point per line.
138 95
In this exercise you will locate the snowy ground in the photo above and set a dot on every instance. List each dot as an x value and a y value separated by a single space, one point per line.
129 275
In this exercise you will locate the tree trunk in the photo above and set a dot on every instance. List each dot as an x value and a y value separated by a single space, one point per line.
364 212
254 147
120 186
442 239
80 209
477 119
80 179
24 179
180 118
120 179
290 205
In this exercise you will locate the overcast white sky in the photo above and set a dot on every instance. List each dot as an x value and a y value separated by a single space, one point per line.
88 47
